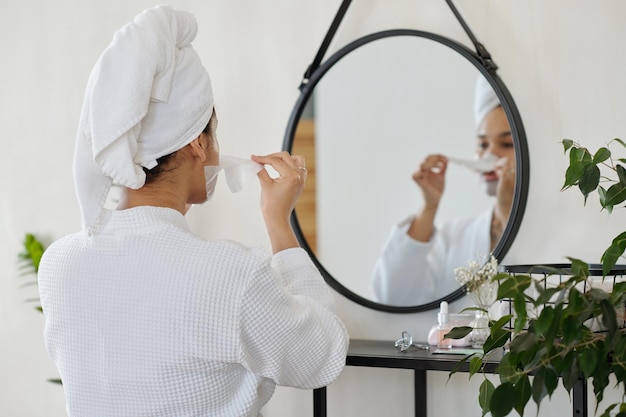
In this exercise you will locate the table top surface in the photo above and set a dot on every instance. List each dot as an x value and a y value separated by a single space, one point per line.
383 353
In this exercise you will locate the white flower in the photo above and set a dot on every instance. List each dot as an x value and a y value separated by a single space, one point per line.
477 279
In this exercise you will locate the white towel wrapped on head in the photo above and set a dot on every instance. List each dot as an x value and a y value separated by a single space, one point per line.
148 95
485 100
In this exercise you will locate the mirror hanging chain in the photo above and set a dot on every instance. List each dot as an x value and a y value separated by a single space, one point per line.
481 51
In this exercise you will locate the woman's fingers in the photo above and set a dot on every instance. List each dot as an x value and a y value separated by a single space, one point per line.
284 164
280 159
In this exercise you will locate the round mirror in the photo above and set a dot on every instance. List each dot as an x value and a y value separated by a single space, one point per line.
366 120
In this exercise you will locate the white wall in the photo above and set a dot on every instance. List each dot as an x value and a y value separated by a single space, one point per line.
562 60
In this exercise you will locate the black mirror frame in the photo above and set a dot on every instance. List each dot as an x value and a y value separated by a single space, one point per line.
519 139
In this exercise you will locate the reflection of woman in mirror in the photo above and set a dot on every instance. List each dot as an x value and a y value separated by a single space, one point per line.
417 263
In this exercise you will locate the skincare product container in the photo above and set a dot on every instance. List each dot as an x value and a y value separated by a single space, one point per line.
436 334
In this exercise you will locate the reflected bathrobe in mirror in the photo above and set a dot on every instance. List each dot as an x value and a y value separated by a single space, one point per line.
410 273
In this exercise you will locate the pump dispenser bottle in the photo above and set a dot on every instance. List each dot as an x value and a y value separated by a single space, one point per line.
436 335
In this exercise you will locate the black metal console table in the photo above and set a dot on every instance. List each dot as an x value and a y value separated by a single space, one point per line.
383 354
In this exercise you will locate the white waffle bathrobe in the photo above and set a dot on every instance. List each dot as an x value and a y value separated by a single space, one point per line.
144 318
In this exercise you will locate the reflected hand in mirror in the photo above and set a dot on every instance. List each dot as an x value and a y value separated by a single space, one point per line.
419 258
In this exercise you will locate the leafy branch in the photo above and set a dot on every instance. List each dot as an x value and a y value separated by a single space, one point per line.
584 172
30 259
564 331
563 342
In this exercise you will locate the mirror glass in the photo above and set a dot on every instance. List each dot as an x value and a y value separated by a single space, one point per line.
365 126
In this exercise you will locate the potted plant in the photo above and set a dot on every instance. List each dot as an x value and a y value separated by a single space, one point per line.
29 259
558 333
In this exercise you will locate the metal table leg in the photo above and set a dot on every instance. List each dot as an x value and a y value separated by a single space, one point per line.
319 402
579 398
420 393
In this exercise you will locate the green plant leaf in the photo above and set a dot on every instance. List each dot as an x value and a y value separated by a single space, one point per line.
514 284
503 321
522 342
496 339
618 365
545 321
589 180
609 320
573 174
33 251
607 411
475 366
615 194
621 173
579 268
580 154
485 393
567 143
601 155
600 380
523 392
551 380
602 196
576 302
588 359
571 330
519 303
598 295
502 400
545 294
612 254
460 364
618 140
458 332
507 370
539 390
570 373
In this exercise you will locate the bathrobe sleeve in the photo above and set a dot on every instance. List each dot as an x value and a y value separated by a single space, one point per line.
297 340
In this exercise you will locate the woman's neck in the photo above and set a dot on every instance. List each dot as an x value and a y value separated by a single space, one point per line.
496 230
157 196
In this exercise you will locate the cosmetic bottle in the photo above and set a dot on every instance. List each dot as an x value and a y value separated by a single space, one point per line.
443 326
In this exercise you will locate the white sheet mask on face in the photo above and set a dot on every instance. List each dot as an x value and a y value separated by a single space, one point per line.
210 176
238 171
486 164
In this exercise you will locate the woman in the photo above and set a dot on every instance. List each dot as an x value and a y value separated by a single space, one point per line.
142 316
418 261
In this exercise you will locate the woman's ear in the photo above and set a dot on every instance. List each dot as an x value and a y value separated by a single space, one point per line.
197 149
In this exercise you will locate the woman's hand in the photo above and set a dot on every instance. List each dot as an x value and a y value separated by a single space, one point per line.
279 195
431 178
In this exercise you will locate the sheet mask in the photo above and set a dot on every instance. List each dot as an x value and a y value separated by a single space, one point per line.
486 164
238 171
210 176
